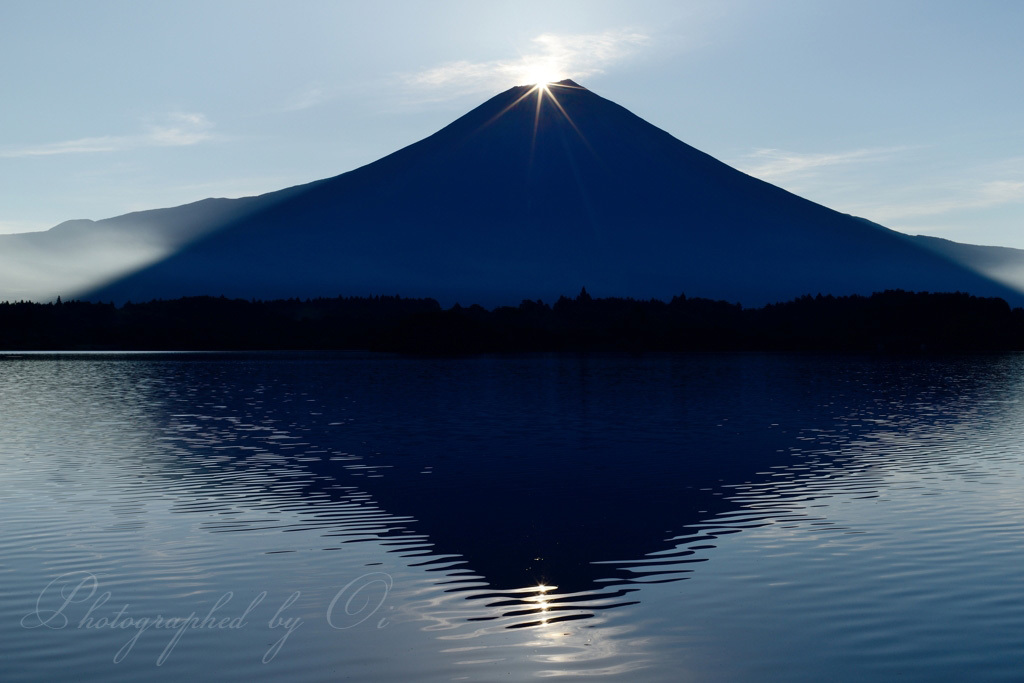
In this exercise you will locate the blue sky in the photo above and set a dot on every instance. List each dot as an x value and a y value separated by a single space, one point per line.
907 113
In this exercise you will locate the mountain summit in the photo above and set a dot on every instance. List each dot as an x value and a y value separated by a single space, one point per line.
538 191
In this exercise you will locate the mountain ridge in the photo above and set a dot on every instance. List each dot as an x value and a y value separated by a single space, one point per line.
533 194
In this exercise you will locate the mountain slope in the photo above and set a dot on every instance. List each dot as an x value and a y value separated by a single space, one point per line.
534 194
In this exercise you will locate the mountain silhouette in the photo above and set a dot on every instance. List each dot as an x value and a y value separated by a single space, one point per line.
535 193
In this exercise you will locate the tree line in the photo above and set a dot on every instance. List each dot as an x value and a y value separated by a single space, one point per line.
890 321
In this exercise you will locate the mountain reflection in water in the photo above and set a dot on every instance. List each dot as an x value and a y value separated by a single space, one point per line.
529 490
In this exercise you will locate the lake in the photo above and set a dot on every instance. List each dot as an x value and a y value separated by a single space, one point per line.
322 516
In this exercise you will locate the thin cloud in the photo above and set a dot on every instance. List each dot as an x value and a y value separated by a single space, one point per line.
989 185
776 165
1000 182
176 130
983 195
307 99
551 57
179 130
106 143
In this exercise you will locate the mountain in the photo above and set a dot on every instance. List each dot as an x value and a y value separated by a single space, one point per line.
535 193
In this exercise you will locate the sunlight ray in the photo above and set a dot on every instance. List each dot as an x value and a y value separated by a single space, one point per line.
567 117
541 89
512 106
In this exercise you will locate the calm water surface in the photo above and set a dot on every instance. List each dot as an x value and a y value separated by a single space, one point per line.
311 517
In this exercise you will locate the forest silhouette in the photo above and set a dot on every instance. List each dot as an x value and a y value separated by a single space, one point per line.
889 321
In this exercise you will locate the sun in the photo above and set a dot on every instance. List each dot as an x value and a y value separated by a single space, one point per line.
540 73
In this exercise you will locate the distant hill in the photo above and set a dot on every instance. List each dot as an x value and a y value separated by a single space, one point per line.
533 194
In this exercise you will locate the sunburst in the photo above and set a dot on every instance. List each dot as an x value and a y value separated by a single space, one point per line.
544 90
